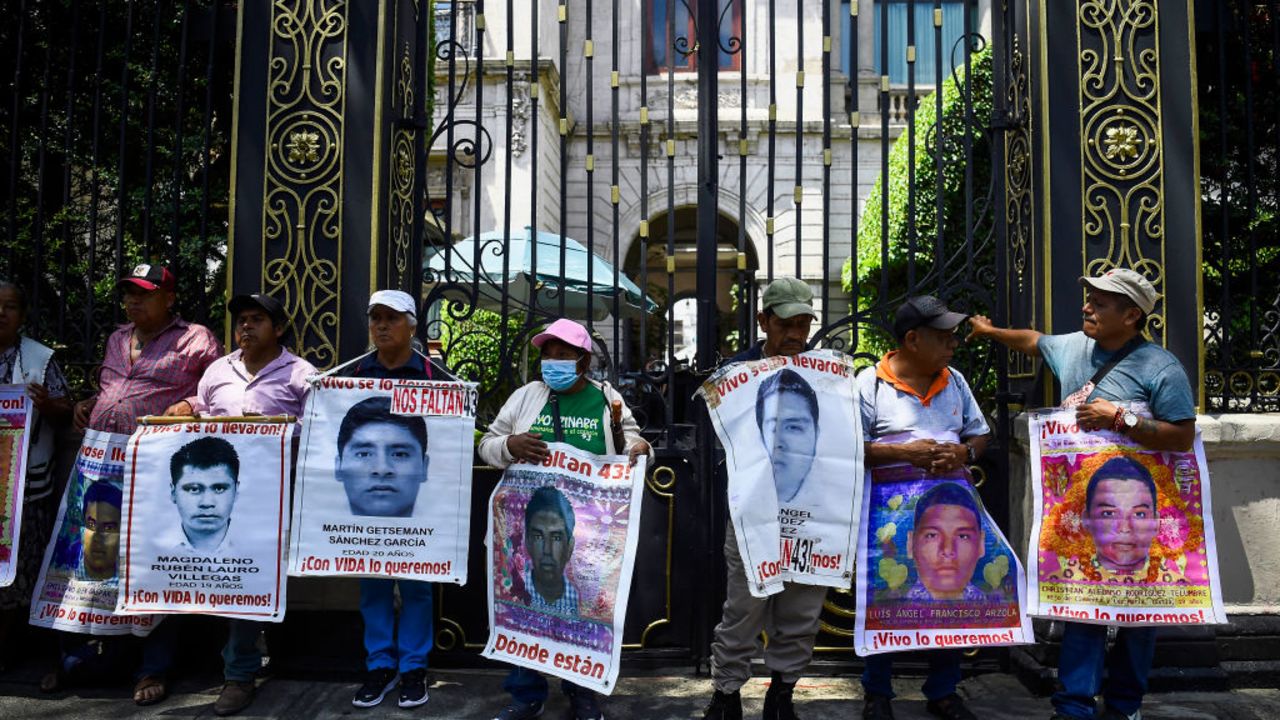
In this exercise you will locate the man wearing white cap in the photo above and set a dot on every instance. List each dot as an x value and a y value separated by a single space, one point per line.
395 653
567 406
1115 380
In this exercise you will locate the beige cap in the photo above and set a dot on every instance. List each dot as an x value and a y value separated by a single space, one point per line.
1123 281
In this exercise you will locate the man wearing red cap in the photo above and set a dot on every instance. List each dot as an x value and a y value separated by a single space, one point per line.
566 406
151 362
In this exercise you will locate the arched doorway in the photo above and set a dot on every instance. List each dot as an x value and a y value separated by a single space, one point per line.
677 297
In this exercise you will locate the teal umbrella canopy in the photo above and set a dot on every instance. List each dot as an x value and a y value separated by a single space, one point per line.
587 281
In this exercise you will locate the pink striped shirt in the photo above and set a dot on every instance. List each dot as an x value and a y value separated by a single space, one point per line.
168 370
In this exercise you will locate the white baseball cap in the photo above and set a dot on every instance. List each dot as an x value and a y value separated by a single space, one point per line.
397 300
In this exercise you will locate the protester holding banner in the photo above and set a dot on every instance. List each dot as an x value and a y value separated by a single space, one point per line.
262 377
1113 377
392 659
791 616
913 392
27 362
564 406
151 362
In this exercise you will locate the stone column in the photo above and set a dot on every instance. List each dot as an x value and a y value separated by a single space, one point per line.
865 63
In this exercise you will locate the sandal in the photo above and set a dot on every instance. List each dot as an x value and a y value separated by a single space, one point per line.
149 691
52 681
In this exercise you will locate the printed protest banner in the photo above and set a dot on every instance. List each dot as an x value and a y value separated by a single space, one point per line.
205 512
792 436
1122 535
78 584
384 481
934 571
562 543
15 433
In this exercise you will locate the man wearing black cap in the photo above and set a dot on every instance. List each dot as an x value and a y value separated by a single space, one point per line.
260 378
914 390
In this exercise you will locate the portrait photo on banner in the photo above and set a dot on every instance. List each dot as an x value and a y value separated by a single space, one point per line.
557 556
562 540
205 523
382 492
788 426
1121 530
934 559
79 581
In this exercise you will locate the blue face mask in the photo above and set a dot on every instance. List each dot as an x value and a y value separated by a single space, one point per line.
560 374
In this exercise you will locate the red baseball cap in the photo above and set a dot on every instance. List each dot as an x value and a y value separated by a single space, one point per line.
150 277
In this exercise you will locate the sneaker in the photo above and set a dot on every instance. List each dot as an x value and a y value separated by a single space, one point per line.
950 707
1113 714
413 688
236 695
520 711
585 704
777 700
377 683
877 707
724 706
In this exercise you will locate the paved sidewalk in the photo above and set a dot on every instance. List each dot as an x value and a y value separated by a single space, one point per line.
478 694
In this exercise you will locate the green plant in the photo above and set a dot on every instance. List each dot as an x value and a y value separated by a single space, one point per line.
878 274
475 347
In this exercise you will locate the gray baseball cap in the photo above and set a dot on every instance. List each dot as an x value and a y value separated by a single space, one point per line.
788 297
1123 281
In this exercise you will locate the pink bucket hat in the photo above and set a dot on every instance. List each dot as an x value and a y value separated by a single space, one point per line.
566 331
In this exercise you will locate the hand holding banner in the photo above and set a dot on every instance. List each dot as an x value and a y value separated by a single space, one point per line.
205 519
562 538
1122 535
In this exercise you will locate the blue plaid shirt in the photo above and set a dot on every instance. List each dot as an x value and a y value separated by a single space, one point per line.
567 604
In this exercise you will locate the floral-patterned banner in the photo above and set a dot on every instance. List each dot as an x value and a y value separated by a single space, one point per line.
934 570
1123 535
562 542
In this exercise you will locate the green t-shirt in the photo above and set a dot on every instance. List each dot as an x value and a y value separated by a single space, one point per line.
581 419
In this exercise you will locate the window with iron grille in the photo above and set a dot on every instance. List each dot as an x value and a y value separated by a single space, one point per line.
666 50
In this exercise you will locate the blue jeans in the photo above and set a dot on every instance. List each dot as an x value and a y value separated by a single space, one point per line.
1081 663
529 686
944 674
383 648
159 647
241 658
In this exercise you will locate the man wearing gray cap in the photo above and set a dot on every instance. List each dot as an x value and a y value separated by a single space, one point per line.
1115 380
791 616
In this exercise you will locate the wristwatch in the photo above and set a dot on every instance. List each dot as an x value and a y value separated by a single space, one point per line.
972 452
1128 421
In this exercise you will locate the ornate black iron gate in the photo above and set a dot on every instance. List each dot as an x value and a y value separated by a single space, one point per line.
673 156
774 191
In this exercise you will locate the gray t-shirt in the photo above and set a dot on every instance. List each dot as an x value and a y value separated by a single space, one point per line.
887 410
1149 374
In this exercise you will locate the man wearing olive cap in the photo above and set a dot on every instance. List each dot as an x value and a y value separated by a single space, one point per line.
791 616
1115 380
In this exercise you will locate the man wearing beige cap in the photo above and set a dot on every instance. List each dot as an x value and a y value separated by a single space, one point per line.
1115 380
791 616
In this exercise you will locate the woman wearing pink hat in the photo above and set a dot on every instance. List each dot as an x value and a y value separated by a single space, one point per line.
601 423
